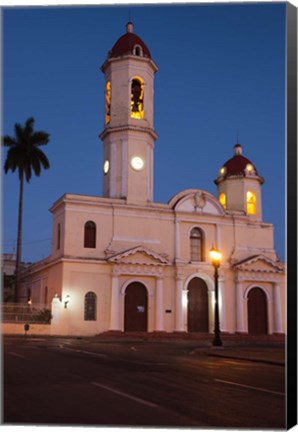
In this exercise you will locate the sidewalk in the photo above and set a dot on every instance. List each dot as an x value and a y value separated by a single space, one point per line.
264 354
270 349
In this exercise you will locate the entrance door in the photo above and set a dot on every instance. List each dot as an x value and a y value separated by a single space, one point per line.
197 306
257 312
135 312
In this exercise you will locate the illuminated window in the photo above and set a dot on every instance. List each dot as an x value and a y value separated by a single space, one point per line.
90 306
108 103
222 200
90 235
251 202
137 99
196 245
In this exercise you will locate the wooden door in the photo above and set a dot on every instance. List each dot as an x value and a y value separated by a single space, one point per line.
197 306
135 310
257 312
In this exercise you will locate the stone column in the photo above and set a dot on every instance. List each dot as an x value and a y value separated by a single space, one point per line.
55 310
217 236
277 308
270 316
239 308
222 304
179 306
112 184
114 322
159 305
177 240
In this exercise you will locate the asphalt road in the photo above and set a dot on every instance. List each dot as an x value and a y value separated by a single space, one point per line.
61 381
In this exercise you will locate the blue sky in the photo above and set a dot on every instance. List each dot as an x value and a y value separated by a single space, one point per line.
221 74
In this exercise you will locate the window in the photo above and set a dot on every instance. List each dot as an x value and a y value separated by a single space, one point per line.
108 103
251 203
137 50
58 236
223 200
137 98
196 245
90 235
90 307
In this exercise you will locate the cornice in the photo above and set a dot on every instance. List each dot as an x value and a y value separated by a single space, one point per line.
146 130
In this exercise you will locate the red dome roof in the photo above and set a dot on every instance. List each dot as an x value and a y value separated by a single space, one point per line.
126 43
238 163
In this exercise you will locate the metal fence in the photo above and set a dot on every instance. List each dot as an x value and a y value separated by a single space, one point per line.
23 313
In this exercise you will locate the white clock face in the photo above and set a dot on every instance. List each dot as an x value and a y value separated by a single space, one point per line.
106 166
137 163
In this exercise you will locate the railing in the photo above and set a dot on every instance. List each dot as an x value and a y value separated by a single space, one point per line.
23 313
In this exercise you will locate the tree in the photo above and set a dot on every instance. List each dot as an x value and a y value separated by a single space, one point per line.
25 156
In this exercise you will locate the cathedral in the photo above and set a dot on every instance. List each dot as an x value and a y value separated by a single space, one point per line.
122 262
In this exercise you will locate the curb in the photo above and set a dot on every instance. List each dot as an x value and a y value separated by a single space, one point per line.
251 359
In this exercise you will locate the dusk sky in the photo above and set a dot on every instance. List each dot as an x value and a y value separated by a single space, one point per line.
221 75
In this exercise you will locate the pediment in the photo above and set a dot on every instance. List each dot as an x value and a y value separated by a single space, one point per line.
196 200
259 263
138 255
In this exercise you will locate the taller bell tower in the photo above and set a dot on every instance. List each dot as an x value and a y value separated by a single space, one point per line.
129 136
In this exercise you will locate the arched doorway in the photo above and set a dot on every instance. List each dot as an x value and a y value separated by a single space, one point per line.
197 306
257 312
136 307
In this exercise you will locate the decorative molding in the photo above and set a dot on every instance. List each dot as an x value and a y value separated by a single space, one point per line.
200 201
258 277
126 128
137 270
160 259
243 265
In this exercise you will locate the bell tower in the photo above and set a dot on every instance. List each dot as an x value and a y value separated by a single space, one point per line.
129 136
239 186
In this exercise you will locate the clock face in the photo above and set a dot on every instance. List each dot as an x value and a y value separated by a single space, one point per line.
106 166
137 163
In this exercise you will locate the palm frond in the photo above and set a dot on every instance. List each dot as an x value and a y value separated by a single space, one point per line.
28 129
19 133
7 141
40 138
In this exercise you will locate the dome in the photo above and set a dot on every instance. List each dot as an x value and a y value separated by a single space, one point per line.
238 165
129 43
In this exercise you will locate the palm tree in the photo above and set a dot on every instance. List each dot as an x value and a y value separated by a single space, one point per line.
25 156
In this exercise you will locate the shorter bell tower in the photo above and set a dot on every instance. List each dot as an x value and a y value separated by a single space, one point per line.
129 136
239 186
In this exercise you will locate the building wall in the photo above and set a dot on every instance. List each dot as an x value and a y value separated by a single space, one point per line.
151 245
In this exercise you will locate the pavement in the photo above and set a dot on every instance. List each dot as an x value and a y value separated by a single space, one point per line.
270 349
269 355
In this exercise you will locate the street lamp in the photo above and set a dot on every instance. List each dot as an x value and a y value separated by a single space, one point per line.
215 256
66 301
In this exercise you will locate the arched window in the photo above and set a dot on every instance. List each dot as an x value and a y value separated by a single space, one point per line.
58 236
108 103
137 98
90 307
90 235
251 201
137 50
196 245
223 200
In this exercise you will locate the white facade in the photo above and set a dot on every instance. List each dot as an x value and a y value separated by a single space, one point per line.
124 263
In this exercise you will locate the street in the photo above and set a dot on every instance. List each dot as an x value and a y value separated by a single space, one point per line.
72 381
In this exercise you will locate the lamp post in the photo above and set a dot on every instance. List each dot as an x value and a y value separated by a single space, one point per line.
215 256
